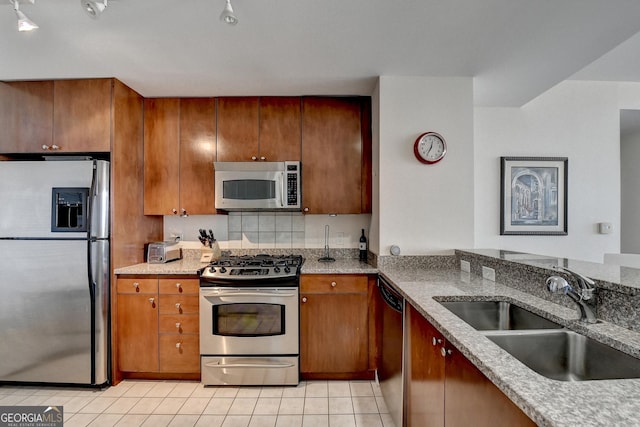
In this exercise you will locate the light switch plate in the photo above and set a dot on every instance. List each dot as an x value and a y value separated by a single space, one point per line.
488 273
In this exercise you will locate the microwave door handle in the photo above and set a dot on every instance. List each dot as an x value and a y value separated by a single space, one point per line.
283 193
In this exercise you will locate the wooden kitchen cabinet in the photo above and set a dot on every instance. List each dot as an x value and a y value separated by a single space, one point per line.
157 327
56 116
82 115
335 333
258 129
179 151
443 388
26 116
336 155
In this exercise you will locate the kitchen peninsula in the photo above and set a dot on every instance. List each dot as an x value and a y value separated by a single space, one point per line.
519 279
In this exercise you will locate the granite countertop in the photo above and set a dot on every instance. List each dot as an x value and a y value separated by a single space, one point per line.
548 402
190 266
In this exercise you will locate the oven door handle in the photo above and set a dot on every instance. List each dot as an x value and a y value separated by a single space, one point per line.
248 365
267 294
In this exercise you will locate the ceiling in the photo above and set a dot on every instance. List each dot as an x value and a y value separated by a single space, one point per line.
514 49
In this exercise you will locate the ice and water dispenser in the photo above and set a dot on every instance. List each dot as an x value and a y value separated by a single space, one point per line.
69 209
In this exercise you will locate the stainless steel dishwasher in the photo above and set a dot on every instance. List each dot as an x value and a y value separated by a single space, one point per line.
391 361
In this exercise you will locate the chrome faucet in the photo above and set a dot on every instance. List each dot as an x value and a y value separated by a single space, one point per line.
583 293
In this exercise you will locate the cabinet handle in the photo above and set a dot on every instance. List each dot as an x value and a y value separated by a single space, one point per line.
333 284
136 285
178 306
263 158
45 147
254 158
178 345
184 213
435 341
152 300
304 299
444 352
178 326
55 147
306 209
178 286
174 211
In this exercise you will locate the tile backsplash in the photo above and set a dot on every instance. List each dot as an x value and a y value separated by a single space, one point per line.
256 230
269 230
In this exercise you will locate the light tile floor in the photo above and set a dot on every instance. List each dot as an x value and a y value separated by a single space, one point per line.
186 403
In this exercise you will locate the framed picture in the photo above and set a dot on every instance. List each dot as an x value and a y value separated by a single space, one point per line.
533 195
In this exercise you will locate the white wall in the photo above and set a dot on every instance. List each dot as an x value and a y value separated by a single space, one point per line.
630 178
578 120
424 209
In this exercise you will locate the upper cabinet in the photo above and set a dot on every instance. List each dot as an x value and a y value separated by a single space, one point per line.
70 116
179 150
258 129
336 155
82 115
26 116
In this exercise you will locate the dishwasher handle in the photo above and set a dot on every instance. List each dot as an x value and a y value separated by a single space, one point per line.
390 296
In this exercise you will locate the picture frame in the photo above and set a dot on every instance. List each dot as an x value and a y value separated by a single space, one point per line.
533 196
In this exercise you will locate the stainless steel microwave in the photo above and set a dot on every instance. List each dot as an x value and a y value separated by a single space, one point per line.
254 186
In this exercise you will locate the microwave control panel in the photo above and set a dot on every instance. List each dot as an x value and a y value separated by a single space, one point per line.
293 184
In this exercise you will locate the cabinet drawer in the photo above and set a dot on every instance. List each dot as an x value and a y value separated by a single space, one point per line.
179 324
178 304
179 353
347 283
138 286
179 286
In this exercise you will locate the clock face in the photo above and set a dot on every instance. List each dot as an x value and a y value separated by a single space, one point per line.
430 148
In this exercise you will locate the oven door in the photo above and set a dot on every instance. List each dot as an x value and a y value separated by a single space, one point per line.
248 321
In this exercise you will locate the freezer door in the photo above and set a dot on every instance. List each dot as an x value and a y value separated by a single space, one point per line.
26 195
45 312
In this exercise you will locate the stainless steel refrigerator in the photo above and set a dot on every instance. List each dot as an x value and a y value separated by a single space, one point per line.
54 271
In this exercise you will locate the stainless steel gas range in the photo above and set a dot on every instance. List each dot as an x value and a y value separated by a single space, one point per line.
249 332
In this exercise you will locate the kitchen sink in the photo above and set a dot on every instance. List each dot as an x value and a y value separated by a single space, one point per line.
566 355
498 315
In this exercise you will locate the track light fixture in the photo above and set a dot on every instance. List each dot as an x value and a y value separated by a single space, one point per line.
227 14
94 8
24 23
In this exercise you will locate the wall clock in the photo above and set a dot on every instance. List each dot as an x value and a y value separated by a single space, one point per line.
430 148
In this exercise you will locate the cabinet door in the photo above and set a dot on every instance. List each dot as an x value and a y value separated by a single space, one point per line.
471 399
334 338
425 372
82 115
197 153
161 156
26 116
331 155
137 338
280 127
238 129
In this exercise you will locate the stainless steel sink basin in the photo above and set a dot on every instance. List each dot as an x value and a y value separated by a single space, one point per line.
498 315
566 355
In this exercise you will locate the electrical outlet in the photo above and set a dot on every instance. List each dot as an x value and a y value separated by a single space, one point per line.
488 273
175 236
340 239
465 266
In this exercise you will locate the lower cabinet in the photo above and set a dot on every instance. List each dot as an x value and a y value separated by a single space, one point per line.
443 388
156 327
336 339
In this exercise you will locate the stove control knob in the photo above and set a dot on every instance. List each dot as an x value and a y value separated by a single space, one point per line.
212 269
223 270
276 269
287 270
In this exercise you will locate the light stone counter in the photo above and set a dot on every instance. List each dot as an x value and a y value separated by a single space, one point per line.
548 402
